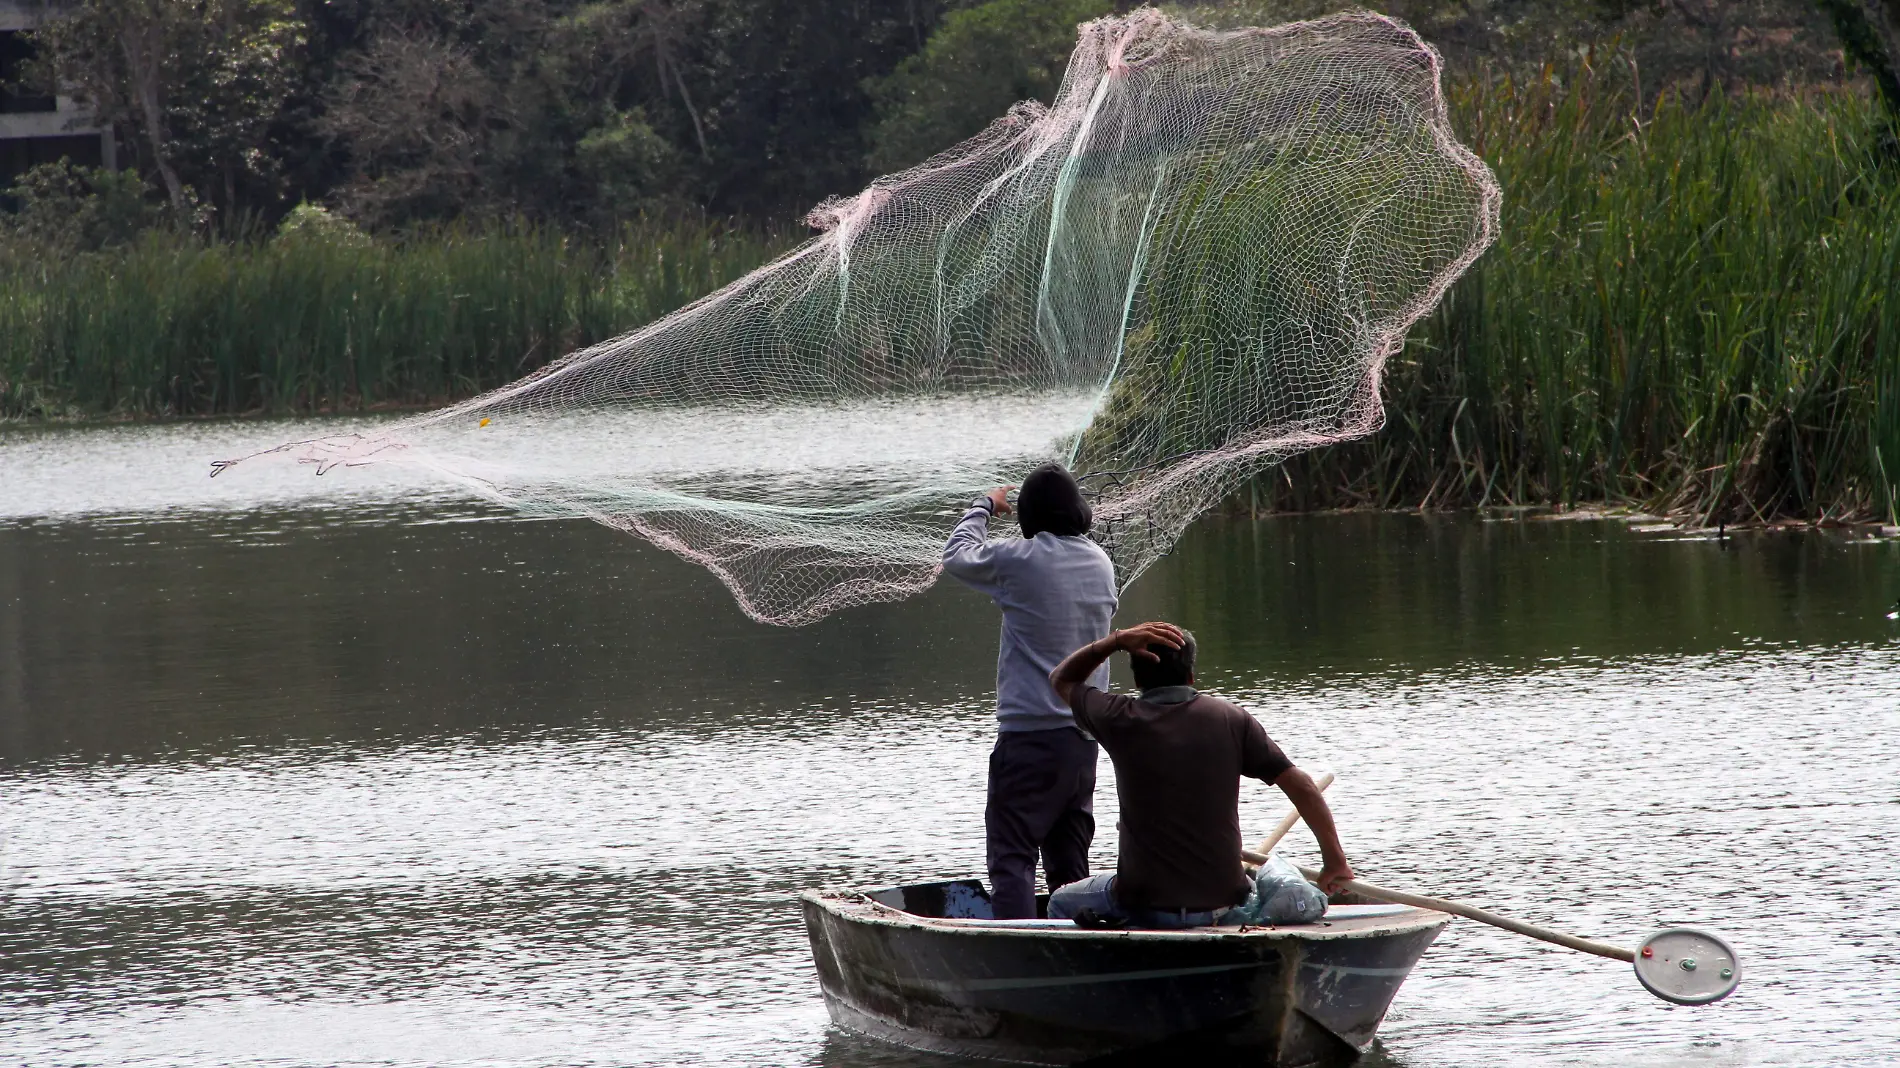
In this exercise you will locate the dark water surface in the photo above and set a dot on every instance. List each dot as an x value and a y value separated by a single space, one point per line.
331 781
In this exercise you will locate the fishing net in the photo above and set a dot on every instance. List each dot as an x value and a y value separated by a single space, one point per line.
1190 266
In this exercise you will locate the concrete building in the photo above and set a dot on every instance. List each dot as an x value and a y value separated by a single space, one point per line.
40 129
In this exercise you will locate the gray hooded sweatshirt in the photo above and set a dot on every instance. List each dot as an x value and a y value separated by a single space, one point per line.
1057 594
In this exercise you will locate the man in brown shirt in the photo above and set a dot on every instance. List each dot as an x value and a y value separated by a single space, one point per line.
1179 756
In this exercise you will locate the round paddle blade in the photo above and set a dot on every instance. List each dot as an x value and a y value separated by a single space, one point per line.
1687 966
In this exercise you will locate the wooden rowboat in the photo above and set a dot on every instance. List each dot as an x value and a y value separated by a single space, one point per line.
926 966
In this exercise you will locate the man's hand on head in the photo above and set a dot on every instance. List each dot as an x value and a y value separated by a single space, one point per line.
1077 666
1136 639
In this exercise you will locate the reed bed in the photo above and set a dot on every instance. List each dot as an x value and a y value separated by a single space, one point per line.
175 326
1692 309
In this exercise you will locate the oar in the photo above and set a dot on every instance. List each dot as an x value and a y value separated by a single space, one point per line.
1679 964
1676 964
1289 821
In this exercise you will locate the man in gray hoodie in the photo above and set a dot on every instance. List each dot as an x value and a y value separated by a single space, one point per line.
1056 588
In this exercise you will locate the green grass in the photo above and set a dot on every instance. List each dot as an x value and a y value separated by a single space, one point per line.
173 326
1692 313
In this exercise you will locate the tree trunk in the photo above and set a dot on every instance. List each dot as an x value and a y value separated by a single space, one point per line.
660 65
140 40
699 131
1870 36
1887 27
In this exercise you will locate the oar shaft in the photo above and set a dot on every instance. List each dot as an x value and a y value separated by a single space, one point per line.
1420 901
1290 820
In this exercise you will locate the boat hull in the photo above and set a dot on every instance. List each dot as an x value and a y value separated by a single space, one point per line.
1050 994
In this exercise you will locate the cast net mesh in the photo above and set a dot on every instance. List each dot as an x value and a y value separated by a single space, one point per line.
1189 267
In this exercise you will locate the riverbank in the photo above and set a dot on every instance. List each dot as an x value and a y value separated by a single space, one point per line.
1686 313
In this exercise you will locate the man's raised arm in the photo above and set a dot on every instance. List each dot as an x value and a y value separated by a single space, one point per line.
1076 668
967 555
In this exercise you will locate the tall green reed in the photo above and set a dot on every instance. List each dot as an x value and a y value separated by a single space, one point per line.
1688 310
178 326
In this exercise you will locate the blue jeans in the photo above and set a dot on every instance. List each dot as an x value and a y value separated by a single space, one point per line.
1095 897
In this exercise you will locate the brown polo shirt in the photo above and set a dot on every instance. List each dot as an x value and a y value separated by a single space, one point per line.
1177 772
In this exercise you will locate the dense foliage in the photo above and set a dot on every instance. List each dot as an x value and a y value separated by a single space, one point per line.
979 63
586 112
407 111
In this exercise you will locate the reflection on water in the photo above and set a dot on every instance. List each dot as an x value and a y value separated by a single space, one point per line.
322 788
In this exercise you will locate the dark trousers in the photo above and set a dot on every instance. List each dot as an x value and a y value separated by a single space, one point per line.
1041 799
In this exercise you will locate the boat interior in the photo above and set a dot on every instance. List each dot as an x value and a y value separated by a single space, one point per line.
968 901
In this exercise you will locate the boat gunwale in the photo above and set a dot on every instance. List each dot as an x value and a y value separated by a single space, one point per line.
856 906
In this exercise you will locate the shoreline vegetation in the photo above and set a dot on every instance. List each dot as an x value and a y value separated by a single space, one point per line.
320 318
1686 314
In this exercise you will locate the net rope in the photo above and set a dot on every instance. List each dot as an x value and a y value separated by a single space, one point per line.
1190 266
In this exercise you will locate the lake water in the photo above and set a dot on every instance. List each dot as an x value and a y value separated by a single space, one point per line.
350 770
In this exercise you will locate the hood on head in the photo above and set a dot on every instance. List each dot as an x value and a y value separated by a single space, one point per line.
1050 500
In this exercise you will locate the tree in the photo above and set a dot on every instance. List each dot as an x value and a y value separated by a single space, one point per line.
632 53
1870 37
79 209
531 107
978 62
423 125
786 107
195 85
631 168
